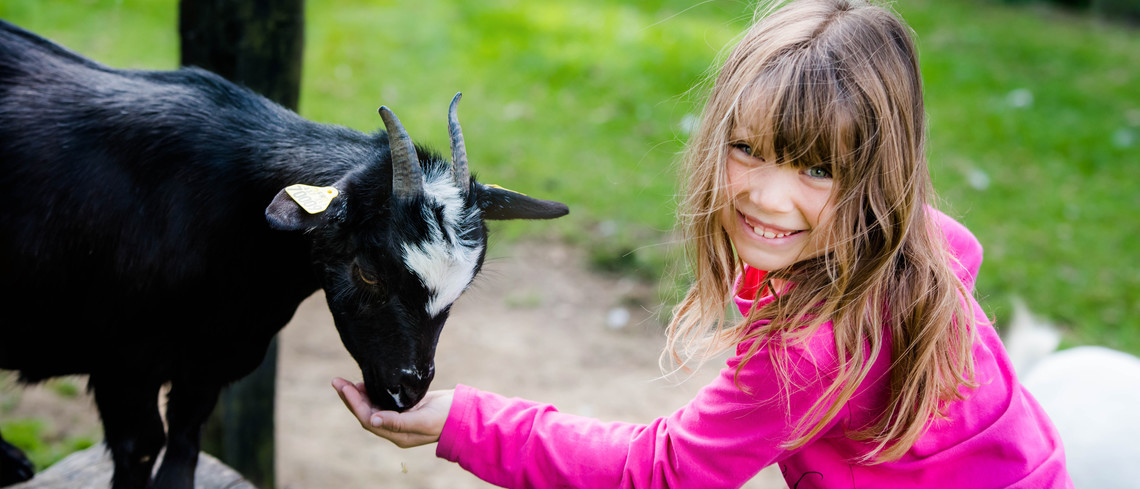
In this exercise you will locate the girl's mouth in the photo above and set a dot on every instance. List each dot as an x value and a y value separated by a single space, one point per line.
767 231
772 235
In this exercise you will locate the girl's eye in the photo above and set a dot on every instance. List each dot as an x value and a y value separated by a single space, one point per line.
819 172
743 147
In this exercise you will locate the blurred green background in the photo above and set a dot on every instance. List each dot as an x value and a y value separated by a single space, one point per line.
1034 120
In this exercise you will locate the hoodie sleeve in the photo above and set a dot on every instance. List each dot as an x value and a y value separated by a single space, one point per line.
721 439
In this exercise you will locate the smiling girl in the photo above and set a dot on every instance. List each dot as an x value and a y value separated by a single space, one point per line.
862 358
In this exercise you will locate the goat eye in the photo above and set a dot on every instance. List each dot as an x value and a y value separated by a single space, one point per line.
366 276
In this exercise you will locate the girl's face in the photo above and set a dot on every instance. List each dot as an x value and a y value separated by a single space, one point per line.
779 212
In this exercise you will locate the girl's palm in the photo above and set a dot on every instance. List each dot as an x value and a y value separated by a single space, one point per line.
420 425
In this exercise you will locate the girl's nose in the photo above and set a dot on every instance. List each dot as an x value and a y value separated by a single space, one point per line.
771 189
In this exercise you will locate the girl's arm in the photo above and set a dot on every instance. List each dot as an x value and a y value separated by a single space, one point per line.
720 439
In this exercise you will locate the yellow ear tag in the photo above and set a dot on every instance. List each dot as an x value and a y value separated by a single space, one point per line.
504 188
313 199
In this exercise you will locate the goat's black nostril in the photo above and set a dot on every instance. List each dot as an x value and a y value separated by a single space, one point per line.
405 396
410 389
398 397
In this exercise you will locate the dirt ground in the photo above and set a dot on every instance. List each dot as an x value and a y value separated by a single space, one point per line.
537 324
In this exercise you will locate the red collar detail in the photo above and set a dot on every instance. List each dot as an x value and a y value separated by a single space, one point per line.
750 282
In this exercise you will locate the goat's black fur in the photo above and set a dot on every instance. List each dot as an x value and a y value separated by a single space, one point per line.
134 245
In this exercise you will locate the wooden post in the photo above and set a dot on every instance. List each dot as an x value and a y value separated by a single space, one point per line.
256 43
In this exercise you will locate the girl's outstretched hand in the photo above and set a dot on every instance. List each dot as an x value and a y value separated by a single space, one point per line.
417 426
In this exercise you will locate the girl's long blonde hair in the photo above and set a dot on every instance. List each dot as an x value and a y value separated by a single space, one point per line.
833 82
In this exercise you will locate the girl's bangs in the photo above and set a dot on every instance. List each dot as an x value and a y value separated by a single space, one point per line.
795 112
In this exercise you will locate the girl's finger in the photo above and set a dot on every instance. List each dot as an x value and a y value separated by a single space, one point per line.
344 399
398 433
339 384
386 420
357 403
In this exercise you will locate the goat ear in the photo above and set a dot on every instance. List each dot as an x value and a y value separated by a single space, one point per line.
501 204
291 211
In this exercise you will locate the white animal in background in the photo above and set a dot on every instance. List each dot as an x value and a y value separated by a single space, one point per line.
1028 339
1090 392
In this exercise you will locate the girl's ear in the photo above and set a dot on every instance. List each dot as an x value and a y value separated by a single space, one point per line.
501 204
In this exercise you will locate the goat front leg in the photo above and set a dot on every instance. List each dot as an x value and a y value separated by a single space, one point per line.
188 406
132 426
14 466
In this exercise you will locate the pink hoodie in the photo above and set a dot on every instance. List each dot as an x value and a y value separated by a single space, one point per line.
997 437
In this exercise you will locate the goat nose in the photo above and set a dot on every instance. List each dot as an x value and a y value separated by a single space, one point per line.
411 386
399 397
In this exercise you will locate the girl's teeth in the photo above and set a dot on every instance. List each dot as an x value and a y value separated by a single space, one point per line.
769 234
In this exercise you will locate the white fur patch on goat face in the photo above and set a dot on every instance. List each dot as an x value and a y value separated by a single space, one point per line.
445 262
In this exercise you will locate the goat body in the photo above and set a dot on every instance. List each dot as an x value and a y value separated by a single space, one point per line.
146 239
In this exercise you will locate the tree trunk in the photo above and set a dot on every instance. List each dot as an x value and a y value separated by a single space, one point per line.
258 44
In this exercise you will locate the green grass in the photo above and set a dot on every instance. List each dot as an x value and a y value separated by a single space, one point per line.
35 437
1058 218
43 443
1034 119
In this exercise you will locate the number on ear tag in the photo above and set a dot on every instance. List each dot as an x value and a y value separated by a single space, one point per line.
313 199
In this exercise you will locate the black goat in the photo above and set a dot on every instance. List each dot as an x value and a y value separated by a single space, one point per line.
141 242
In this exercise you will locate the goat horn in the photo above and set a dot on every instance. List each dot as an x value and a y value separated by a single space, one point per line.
407 178
458 150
